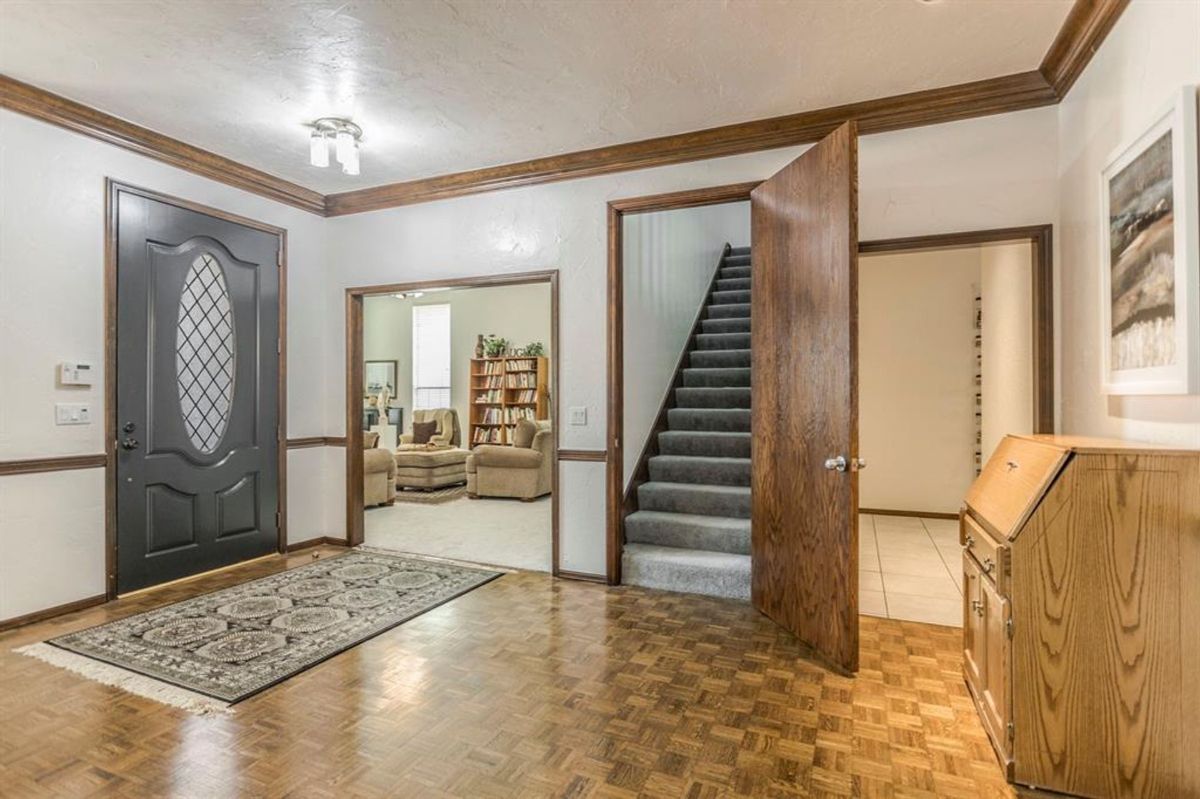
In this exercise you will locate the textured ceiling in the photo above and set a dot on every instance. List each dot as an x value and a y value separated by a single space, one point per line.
458 84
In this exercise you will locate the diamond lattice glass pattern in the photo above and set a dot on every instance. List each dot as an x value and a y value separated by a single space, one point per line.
204 353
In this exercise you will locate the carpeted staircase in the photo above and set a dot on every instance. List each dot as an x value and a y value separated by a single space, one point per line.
691 531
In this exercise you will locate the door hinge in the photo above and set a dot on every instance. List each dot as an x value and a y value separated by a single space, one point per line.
279 346
1012 731
1008 627
279 258
278 520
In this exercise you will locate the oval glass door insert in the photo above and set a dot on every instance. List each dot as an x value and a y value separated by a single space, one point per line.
204 354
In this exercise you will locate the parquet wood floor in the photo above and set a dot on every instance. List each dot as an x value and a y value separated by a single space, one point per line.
526 687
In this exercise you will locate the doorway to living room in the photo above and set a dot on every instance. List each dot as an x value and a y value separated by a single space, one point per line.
452 430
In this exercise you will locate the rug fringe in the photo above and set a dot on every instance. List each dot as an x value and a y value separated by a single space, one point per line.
128 681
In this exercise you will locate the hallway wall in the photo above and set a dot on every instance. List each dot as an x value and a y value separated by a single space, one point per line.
668 261
1150 53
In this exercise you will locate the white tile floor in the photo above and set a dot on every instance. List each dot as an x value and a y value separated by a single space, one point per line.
910 568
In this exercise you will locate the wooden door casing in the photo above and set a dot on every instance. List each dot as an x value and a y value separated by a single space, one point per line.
804 530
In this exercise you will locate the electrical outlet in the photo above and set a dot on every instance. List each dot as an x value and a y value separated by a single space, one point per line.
579 416
72 413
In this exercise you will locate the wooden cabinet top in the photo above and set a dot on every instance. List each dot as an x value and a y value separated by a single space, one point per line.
1022 469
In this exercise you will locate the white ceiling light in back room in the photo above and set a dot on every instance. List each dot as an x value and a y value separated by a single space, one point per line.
343 134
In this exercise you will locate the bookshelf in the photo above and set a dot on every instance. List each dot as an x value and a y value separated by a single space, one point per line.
505 390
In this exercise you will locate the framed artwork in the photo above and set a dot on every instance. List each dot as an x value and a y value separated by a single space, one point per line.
377 375
1150 258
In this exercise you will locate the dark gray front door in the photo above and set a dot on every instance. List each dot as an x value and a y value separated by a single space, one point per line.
197 391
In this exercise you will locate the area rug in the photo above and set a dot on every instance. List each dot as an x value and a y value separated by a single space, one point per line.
435 497
206 653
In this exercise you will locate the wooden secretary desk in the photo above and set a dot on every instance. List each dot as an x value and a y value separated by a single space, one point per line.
1081 614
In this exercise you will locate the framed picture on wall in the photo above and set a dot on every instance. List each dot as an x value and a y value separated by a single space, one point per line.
1150 258
377 375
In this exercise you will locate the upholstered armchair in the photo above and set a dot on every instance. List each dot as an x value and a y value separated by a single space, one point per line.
522 471
448 432
379 473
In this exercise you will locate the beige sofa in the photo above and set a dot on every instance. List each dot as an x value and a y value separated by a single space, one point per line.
449 434
379 473
522 471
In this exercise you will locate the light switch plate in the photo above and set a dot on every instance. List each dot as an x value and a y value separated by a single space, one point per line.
579 416
72 413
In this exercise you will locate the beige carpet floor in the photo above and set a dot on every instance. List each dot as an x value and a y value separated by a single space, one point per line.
499 532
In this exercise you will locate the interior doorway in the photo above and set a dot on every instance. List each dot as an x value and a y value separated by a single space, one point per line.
954 336
451 418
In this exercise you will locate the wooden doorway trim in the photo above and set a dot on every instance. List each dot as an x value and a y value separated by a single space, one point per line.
614 477
354 387
1040 236
112 189
1041 240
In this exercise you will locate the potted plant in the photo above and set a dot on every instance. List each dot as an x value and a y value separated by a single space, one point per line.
494 346
535 349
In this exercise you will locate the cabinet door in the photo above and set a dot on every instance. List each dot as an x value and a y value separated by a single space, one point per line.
974 628
994 700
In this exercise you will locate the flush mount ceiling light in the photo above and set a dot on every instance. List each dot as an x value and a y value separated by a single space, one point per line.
345 136
409 295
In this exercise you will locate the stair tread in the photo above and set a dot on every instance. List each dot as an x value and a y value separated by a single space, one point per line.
694 571
655 485
713 522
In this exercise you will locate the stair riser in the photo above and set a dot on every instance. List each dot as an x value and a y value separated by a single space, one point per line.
735 259
729 297
682 535
716 378
694 500
719 421
710 397
733 284
732 272
704 445
723 341
725 325
731 583
738 311
701 472
719 359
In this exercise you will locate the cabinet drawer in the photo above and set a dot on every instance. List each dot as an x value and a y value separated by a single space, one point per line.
990 554
1012 482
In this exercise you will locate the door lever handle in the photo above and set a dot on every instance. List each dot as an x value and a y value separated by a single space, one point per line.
129 443
837 464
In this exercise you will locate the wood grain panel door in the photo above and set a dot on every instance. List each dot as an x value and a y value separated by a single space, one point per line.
804 483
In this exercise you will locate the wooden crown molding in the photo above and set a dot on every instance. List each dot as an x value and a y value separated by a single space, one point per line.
1085 28
932 106
57 110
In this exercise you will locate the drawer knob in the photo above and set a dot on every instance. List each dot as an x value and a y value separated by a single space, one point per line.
977 606
1012 465
988 564
970 541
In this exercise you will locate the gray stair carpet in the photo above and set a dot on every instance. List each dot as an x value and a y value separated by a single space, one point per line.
691 531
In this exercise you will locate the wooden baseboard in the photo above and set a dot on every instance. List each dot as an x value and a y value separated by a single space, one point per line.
584 576
316 542
928 514
49 613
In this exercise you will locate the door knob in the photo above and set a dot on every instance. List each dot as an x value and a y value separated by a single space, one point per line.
129 443
837 464
857 464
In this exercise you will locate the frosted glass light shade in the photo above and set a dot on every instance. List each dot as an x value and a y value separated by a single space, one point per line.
318 149
350 163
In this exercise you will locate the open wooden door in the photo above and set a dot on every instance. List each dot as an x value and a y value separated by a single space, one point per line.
804 483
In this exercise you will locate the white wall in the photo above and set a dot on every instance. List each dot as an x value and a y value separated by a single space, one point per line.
1152 51
975 173
990 172
1006 280
518 313
52 309
668 261
916 375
